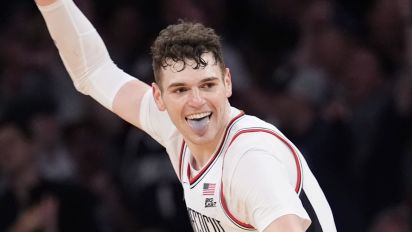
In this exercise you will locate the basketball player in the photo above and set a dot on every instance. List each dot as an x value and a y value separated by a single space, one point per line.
238 172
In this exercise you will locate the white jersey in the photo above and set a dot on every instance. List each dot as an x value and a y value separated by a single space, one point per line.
227 194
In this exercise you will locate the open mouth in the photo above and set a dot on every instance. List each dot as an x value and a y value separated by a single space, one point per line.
199 122
199 116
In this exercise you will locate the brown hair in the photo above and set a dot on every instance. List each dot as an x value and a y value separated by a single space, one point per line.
185 41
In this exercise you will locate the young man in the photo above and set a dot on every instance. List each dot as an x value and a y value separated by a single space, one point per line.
238 173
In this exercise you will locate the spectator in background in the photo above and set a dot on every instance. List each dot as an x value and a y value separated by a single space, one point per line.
31 203
88 147
40 114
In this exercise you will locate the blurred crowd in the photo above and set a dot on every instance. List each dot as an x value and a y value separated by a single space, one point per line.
334 75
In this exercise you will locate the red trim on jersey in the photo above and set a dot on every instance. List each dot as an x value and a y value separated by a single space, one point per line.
297 162
195 178
181 160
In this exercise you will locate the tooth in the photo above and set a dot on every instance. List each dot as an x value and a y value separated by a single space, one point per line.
199 115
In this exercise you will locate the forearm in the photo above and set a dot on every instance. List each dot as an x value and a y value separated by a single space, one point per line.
82 50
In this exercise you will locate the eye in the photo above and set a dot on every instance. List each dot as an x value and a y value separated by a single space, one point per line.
207 85
179 90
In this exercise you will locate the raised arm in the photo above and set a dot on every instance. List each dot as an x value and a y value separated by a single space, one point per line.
88 63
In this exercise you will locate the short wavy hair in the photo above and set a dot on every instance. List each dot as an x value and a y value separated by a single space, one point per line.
185 41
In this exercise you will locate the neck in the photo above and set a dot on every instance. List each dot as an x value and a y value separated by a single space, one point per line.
201 153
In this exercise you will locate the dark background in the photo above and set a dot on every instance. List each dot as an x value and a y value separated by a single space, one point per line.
334 76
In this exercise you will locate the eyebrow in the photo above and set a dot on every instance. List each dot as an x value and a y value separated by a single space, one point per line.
180 84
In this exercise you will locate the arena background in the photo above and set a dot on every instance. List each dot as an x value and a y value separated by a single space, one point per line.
334 76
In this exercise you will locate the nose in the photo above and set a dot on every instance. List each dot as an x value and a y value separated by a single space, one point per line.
196 98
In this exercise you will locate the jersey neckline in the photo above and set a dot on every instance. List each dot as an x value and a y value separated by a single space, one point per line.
193 180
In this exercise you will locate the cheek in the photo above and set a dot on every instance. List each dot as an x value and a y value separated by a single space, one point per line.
174 108
219 103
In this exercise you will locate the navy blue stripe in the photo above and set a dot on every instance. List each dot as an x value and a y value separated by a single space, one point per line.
315 225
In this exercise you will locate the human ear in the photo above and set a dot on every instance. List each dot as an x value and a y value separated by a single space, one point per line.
157 94
228 82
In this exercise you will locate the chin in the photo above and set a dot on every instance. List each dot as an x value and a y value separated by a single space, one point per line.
201 139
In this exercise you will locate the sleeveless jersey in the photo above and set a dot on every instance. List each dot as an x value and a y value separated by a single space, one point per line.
211 204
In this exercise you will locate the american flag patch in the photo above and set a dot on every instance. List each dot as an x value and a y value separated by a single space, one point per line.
208 189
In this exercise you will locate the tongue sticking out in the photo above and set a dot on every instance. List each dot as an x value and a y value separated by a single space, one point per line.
199 126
